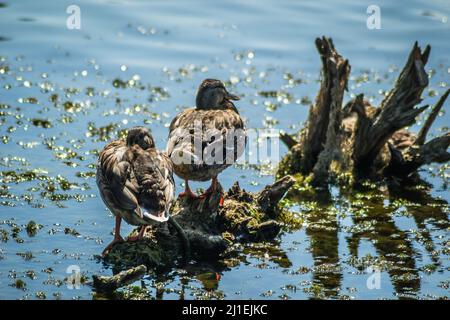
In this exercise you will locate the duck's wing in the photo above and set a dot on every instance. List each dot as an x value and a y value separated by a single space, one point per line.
154 174
229 132
180 146
215 129
117 184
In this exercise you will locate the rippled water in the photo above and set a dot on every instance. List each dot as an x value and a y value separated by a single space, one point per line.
64 93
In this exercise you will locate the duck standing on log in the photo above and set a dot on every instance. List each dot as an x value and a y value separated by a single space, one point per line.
205 140
135 182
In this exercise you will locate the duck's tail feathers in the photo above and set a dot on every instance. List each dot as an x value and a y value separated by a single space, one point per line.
153 217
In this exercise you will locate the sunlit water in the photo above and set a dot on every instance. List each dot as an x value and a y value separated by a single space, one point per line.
64 93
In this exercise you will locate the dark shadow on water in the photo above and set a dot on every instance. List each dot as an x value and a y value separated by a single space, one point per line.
26 19
373 220
200 277
322 231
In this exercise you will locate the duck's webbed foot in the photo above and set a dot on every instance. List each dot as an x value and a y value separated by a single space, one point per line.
117 239
214 187
188 192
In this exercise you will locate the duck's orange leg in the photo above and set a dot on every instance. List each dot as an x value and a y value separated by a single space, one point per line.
187 191
213 188
117 237
139 236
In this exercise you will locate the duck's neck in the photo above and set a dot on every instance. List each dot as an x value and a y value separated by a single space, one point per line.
228 105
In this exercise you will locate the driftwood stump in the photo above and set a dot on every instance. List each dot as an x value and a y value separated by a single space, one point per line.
359 140
209 228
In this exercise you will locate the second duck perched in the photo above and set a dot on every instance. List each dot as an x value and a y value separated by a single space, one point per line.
205 140
135 182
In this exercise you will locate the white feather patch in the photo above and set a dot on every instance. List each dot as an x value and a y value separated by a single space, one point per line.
148 215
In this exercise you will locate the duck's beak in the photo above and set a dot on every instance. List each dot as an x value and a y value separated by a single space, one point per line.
232 96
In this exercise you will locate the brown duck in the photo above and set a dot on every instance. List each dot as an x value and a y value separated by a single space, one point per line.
135 182
205 140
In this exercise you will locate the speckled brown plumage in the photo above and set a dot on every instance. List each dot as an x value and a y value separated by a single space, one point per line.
214 114
224 121
135 180
216 125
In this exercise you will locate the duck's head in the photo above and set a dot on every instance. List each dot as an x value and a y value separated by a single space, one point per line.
212 94
140 136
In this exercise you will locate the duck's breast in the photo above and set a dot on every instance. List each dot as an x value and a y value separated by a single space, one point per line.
202 143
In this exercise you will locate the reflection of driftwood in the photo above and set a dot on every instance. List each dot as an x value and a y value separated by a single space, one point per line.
109 284
367 141
209 227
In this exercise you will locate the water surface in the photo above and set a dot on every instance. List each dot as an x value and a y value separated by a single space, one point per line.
64 93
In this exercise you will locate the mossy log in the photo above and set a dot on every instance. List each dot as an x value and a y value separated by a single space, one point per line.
361 141
209 228
109 284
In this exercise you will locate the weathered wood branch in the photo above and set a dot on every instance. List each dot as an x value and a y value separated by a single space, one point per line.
422 136
405 163
324 116
269 197
406 160
433 151
361 134
396 111
105 284
288 140
340 71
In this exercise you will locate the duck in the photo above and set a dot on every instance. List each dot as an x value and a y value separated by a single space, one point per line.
205 140
136 182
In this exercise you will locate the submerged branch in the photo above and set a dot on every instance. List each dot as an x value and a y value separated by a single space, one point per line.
288 140
108 284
